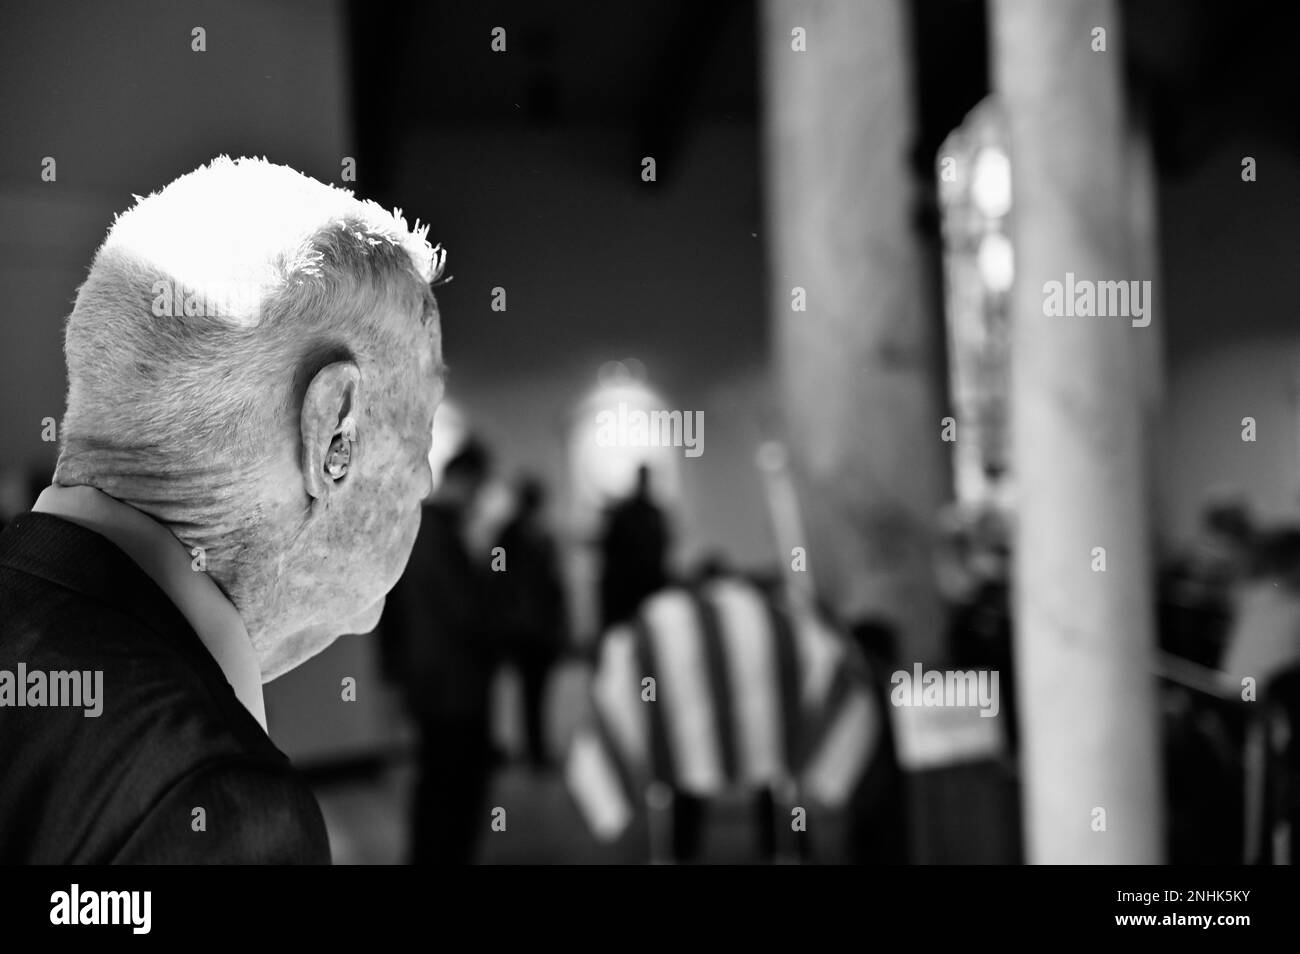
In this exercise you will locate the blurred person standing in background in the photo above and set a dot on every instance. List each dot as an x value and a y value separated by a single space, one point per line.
530 596
441 635
1264 639
634 549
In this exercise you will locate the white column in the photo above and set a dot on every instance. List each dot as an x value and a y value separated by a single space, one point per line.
1084 637
859 369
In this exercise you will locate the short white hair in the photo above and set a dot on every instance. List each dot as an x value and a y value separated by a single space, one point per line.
210 304
234 231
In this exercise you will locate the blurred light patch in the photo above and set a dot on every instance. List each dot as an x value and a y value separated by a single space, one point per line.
449 432
996 262
602 474
991 183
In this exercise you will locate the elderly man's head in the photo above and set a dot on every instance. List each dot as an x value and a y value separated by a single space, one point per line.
255 361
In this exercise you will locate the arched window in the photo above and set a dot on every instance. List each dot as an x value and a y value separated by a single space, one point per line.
975 199
601 472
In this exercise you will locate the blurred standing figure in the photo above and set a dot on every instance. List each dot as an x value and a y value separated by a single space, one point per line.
633 549
1200 592
1225 552
441 640
531 600
1264 639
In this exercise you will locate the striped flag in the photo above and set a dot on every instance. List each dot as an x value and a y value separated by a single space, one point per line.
722 689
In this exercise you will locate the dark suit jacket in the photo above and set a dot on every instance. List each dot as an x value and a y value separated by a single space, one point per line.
172 736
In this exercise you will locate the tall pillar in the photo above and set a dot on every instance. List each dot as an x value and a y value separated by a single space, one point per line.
1144 263
1084 634
859 369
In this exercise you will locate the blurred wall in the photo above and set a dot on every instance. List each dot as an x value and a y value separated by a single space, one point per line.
1229 250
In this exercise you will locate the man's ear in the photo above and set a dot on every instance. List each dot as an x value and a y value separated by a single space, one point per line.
331 397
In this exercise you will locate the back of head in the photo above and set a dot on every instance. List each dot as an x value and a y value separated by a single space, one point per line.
208 304
232 326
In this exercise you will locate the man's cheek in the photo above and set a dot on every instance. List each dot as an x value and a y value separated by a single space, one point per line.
411 530
396 549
